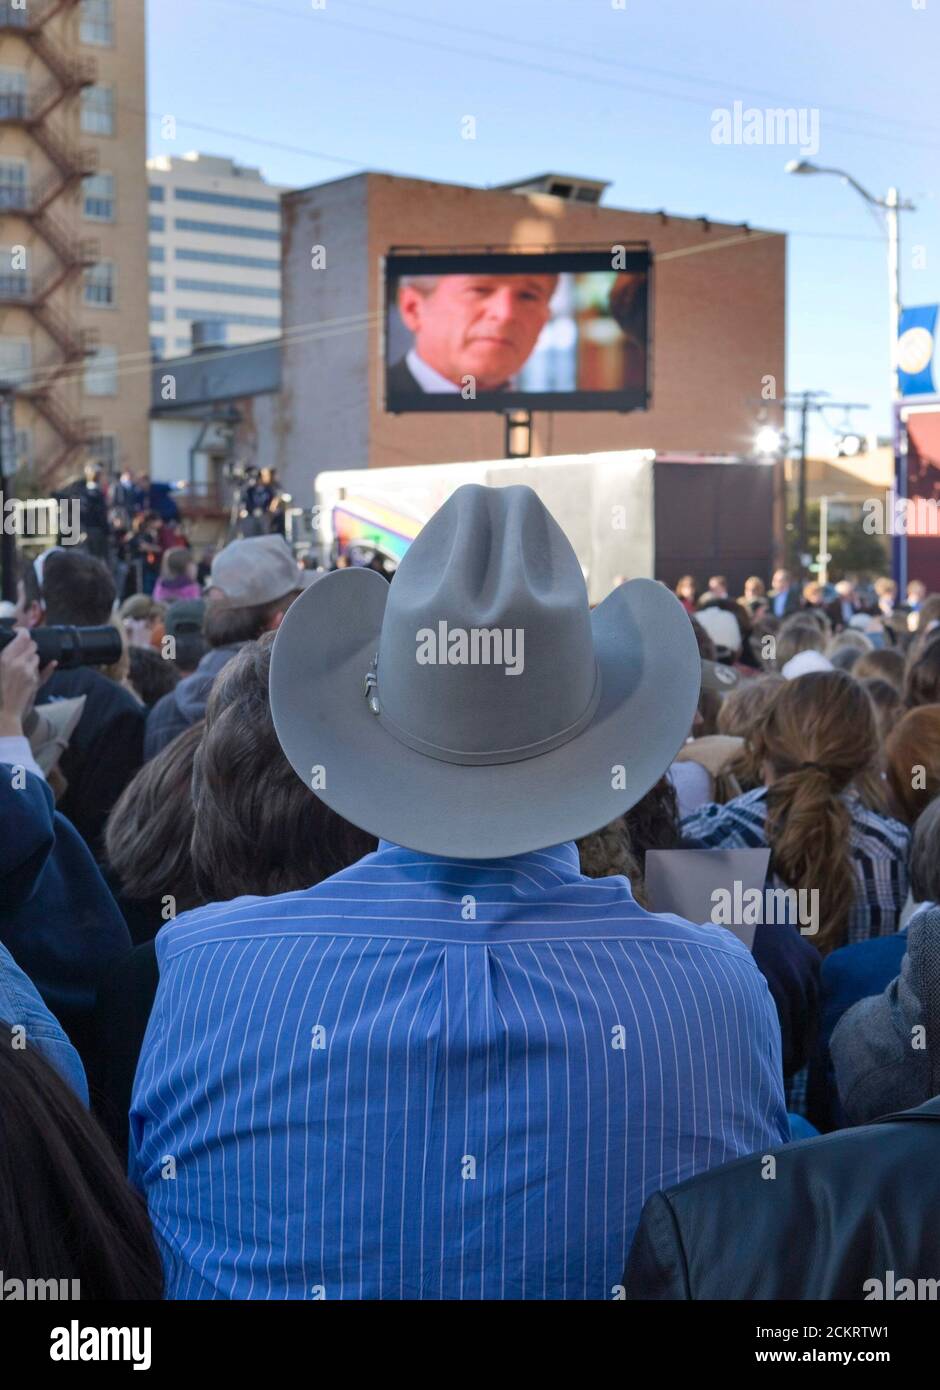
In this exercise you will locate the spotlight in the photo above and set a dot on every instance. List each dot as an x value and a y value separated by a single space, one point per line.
849 445
767 440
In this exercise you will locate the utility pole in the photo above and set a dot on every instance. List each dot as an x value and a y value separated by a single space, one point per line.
892 205
801 503
823 556
808 402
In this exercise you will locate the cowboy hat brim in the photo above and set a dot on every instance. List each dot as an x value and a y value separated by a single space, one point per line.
650 675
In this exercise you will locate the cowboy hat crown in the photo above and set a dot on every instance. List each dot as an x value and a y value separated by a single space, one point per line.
486 601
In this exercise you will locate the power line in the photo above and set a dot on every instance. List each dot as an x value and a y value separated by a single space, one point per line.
514 61
618 63
243 135
322 329
133 363
367 167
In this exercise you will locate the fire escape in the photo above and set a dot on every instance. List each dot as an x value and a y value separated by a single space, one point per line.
43 291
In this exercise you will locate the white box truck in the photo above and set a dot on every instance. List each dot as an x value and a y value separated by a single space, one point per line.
627 513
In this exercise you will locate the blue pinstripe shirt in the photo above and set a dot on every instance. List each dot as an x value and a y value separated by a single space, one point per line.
425 1078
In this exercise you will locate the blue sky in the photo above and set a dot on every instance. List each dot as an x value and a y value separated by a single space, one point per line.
625 94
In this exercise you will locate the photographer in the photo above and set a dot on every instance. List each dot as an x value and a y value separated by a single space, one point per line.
57 918
106 748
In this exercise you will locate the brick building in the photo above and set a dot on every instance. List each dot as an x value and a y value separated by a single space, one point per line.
718 321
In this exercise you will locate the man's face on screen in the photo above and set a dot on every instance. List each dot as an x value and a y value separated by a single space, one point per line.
484 326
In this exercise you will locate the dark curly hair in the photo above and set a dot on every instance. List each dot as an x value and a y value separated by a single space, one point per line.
653 823
257 827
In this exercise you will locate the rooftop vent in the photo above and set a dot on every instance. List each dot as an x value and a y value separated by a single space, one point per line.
206 334
570 186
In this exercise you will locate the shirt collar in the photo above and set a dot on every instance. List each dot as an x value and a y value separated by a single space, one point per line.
561 860
427 377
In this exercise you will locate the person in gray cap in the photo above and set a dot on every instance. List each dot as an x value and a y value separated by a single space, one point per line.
457 1068
250 587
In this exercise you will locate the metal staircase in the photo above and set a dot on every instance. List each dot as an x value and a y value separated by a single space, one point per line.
38 112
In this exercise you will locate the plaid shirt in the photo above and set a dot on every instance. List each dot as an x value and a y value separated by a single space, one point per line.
880 849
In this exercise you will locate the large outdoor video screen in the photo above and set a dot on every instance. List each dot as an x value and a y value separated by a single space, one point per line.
560 330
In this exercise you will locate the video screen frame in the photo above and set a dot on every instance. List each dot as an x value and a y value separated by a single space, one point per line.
631 257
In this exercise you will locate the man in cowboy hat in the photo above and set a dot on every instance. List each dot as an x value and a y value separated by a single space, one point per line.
458 1068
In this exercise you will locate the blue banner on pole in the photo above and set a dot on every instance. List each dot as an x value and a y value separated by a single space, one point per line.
917 342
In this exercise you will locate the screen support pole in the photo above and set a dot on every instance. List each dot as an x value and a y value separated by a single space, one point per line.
518 434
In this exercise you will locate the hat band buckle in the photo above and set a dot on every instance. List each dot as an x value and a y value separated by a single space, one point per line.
487 757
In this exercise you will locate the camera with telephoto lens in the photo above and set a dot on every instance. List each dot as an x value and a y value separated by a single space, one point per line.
71 647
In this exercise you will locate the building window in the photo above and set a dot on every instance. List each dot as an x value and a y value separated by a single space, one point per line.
13 90
101 285
98 110
103 448
225 287
157 284
227 200
156 253
16 360
157 347
14 183
243 320
101 375
98 197
156 192
15 283
187 224
157 224
97 22
220 258
157 313
23 448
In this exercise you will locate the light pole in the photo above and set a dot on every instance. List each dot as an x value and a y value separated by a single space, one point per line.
768 440
891 204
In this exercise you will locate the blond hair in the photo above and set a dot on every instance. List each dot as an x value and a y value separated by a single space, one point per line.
799 633
850 637
743 712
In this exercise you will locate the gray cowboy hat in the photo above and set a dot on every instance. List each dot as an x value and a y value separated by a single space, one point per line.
476 707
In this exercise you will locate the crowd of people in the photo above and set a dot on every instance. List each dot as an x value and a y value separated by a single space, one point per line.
353 962
133 525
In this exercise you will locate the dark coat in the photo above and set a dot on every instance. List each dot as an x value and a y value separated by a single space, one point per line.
856 1206
185 705
104 752
57 918
400 382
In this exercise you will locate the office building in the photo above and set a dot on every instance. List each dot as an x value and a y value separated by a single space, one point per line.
215 254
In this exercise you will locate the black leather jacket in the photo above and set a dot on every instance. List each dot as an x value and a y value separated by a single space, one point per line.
845 1216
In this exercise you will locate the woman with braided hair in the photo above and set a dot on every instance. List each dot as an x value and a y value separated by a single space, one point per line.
817 743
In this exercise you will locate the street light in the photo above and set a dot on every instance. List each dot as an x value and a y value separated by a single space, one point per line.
891 204
767 441
849 446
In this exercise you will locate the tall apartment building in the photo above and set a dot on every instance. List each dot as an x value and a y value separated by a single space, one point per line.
73 246
215 253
